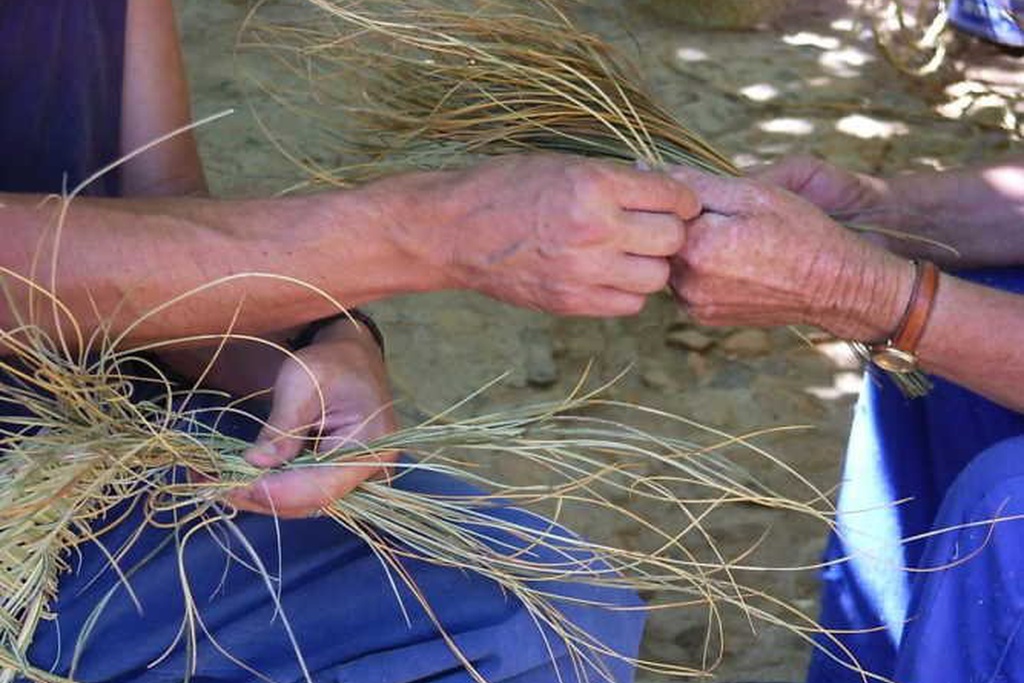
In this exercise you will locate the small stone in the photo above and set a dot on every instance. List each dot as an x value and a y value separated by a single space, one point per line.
733 375
559 348
992 112
747 343
698 365
656 378
541 369
691 340
682 319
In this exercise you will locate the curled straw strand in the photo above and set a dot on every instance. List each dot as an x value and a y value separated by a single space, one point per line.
427 84
395 85
87 452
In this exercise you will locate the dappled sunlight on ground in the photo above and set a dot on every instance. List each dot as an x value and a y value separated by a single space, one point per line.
811 81
818 64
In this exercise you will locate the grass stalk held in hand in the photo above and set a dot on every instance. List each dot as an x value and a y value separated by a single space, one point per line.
428 84
104 434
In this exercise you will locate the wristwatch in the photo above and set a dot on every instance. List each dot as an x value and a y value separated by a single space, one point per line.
899 352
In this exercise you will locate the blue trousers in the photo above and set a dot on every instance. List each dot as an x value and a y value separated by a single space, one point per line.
965 619
999 21
913 467
958 615
352 620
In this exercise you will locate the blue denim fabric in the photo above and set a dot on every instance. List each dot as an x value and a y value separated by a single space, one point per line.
1000 21
903 458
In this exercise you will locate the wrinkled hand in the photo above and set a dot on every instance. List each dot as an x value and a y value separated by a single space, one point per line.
353 404
843 195
563 234
761 256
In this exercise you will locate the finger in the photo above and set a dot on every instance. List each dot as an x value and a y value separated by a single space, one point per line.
652 234
697 233
791 173
302 492
297 409
637 274
717 193
605 302
654 192
367 423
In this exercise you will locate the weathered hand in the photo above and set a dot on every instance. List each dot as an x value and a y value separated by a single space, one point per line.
761 256
338 393
843 195
559 233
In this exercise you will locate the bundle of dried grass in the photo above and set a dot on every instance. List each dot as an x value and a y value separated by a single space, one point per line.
102 429
427 84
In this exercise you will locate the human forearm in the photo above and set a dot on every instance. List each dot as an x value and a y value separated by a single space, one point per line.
555 233
759 256
976 214
979 212
119 259
974 335
976 338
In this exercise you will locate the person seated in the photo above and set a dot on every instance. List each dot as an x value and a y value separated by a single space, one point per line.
87 82
921 576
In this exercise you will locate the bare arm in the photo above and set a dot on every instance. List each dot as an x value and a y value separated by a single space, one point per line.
977 211
976 339
123 257
154 102
548 232
762 256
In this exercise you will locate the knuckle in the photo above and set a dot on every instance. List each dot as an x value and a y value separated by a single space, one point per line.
585 227
308 362
584 175
559 297
749 196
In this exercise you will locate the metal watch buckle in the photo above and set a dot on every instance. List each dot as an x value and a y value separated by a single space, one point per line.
892 359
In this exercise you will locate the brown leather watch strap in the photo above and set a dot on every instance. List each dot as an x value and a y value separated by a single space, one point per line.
919 309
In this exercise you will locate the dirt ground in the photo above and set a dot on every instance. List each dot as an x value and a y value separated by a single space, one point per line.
810 81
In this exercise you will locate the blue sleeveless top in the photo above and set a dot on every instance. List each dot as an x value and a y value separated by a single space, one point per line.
61 67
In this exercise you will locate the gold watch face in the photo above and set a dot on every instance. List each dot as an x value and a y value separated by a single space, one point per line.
894 360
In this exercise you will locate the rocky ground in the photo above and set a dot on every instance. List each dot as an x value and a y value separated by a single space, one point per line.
810 81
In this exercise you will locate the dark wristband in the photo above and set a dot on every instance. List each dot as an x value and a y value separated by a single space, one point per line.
308 333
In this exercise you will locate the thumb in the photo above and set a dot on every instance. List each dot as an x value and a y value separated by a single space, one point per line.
792 173
717 194
297 410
